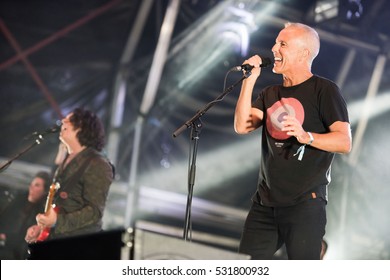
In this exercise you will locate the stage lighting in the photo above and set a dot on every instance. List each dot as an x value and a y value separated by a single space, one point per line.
354 10
325 10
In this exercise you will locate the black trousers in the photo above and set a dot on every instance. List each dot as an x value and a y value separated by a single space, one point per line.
300 227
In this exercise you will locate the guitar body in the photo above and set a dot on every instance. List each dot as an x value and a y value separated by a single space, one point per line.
49 207
46 231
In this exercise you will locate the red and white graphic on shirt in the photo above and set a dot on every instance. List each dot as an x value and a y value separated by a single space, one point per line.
281 108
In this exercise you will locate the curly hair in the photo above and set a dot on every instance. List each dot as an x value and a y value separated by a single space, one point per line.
91 133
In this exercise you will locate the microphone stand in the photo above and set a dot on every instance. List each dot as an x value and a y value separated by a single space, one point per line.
39 139
196 125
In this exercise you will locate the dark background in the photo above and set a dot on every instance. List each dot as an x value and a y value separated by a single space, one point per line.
58 55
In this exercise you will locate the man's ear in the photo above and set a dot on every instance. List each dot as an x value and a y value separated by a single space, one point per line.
307 53
304 55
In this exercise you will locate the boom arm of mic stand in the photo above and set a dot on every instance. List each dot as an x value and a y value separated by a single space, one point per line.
37 141
201 112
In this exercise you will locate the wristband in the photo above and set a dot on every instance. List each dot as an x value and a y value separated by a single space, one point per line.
311 138
301 149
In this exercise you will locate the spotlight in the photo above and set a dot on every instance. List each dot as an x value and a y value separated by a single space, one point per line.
354 9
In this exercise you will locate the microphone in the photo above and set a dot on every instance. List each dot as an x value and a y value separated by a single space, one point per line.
54 129
265 62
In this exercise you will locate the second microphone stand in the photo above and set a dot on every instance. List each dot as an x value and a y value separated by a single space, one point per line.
196 125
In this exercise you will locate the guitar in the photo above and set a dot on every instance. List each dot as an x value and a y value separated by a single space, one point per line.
49 206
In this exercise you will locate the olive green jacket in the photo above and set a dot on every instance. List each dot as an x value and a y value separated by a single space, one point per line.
81 198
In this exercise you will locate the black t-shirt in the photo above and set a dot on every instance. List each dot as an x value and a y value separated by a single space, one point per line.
285 180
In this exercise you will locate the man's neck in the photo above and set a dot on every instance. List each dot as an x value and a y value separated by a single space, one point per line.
75 149
296 78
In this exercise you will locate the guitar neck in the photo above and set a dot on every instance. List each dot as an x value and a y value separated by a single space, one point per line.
49 202
50 196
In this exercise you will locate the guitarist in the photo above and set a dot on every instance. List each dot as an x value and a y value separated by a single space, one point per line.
84 177
19 214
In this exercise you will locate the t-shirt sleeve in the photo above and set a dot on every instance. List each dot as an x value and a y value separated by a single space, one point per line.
332 105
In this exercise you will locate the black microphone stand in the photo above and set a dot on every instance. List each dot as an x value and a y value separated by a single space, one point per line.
196 125
39 139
